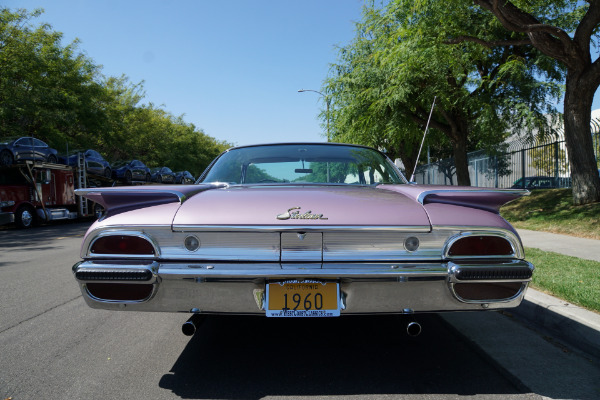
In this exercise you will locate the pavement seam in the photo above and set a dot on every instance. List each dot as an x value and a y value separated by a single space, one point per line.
40 314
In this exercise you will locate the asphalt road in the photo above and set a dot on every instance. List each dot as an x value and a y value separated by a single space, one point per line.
52 346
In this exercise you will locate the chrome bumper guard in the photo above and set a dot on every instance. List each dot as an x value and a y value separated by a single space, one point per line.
366 288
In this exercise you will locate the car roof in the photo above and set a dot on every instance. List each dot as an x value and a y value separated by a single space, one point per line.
301 144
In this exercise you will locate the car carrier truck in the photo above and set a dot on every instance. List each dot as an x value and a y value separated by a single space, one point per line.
42 192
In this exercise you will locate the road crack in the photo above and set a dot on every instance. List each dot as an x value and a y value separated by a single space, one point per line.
40 314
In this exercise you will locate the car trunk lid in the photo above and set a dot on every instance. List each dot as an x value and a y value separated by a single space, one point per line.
301 206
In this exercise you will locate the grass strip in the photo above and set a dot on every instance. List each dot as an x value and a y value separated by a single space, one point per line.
552 210
570 278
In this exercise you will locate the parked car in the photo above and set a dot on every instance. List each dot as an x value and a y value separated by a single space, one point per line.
302 230
94 163
184 177
130 171
541 182
162 175
13 150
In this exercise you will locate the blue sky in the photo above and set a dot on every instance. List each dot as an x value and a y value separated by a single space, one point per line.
232 68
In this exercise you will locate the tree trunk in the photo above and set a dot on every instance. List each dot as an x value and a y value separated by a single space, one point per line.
578 138
461 160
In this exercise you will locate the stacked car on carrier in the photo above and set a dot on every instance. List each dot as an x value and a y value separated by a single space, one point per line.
38 185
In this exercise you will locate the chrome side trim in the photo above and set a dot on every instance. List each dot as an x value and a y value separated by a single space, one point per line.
181 197
424 194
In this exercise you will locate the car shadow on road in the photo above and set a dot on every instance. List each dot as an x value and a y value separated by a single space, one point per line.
253 357
11 237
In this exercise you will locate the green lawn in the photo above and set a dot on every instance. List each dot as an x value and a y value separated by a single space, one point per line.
570 278
551 210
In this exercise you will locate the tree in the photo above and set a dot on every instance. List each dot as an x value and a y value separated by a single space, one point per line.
57 94
401 59
548 160
46 89
565 31
152 134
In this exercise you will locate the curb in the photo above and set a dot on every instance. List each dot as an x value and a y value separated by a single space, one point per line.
574 325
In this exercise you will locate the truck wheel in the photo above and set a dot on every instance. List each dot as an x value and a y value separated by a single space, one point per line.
52 159
6 157
25 217
128 178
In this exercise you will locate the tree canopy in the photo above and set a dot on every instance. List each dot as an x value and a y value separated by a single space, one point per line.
402 57
565 31
54 92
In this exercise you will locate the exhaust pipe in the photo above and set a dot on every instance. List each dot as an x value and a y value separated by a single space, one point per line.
192 324
413 329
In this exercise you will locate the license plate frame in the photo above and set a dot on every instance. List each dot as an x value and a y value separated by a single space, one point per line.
306 298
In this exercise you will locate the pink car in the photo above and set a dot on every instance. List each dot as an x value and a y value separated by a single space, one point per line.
302 230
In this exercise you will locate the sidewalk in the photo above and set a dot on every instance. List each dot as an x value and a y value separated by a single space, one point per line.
567 322
588 249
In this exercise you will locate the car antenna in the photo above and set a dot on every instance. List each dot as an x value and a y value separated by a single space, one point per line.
412 177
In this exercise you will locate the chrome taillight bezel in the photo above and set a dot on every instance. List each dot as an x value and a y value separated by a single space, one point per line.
110 234
511 240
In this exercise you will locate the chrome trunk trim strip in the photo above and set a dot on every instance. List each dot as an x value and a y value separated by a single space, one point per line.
298 228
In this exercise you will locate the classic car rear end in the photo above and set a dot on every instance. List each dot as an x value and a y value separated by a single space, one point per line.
338 232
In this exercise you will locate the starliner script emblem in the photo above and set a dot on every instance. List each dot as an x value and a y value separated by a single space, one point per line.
290 214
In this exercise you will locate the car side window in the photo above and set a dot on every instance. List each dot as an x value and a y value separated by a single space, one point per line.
23 142
39 143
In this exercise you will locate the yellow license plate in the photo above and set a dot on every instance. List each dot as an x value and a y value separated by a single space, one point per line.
303 299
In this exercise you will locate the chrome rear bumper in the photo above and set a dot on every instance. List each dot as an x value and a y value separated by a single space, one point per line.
366 288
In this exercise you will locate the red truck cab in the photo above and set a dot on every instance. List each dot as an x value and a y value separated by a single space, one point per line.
37 191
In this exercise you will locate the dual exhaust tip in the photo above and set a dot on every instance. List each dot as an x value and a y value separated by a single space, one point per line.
193 323
413 329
